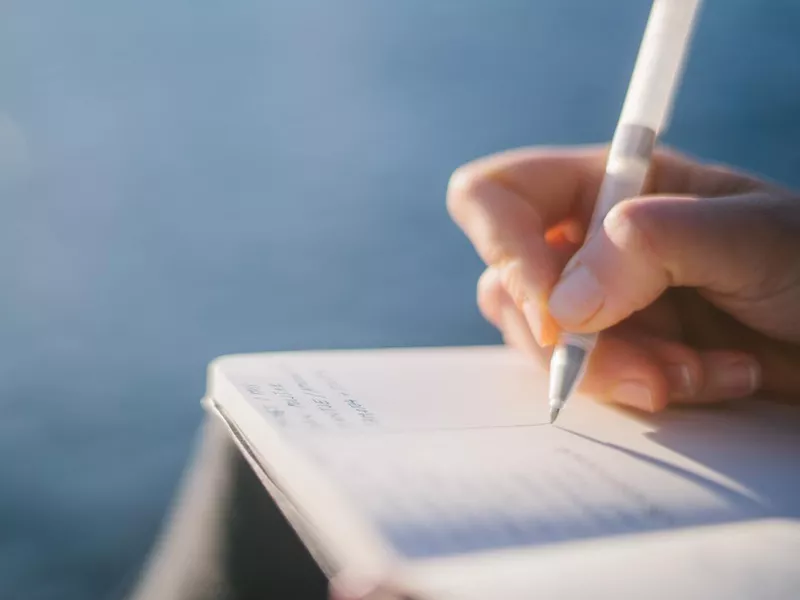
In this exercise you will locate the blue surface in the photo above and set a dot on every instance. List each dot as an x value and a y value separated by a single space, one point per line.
187 179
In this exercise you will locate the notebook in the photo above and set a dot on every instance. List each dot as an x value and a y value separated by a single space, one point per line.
436 472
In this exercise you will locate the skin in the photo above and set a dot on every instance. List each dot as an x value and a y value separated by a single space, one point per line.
695 284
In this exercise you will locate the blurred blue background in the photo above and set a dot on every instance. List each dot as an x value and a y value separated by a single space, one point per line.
186 179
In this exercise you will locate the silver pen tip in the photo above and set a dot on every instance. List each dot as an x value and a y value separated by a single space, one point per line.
554 410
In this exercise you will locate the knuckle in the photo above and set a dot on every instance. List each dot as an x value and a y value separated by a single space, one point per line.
494 251
490 292
460 191
628 225
625 214
512 280
490 298
489 281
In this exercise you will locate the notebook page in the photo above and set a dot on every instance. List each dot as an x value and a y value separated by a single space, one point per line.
445 452
389 389
738 561
434 494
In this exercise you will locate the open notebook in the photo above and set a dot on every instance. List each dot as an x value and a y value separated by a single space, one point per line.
436 471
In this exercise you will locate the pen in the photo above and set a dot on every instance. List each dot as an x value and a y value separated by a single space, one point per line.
644 115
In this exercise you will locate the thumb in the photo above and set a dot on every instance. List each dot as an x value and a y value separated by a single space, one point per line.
724 245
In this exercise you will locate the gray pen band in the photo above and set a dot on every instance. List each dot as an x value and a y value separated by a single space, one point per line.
633 142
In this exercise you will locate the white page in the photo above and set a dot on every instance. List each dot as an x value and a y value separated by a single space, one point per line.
745 560
444 451
390 390
436 494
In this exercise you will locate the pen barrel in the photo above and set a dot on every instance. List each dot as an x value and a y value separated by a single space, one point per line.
660 63
626 170
568 364
644 116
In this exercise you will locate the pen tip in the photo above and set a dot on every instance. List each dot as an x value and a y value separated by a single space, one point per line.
554 410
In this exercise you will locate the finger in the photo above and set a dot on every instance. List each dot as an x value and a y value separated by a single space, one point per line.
491 296
557 182
709 328
673 172
525 212
729 374
497 307
651 243
692 377
660 319
633 369
682 366
509 229
509 235
566 237
622 370
619 370
560 181
697 377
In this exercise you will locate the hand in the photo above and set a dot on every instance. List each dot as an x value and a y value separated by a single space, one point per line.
695 284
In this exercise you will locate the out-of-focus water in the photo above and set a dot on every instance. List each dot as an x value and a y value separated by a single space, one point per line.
187 179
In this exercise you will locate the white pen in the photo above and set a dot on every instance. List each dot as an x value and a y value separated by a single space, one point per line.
644 115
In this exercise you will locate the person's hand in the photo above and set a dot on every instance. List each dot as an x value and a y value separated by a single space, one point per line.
695 284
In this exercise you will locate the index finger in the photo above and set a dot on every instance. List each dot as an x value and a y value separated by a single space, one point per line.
556 182
507 203
563 182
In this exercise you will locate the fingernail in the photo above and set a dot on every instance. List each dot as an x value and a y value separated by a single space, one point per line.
681 382
739 377
635 394
577 297
533 316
